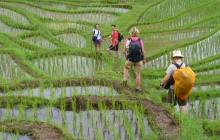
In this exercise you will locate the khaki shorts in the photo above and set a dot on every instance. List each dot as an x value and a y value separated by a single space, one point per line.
171 98
137 65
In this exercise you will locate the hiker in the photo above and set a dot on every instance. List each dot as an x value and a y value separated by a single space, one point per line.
114 43
97 38
134 52
170 73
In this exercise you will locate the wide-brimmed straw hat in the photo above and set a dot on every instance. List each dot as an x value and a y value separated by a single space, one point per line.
177 54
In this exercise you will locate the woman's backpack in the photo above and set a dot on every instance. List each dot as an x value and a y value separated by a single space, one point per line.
134 51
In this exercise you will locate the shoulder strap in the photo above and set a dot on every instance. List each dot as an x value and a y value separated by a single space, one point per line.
178 66
98 33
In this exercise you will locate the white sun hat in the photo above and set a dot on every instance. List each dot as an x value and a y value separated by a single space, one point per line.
177 54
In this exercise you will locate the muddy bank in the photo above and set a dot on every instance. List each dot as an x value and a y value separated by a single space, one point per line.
36 130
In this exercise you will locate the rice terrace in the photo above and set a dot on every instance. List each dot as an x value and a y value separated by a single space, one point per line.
54 86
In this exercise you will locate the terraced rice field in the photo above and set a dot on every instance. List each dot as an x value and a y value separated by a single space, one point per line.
53 85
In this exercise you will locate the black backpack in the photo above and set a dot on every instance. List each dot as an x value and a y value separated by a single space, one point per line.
135 51
120 37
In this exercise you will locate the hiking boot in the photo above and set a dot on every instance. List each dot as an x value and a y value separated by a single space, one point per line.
124 83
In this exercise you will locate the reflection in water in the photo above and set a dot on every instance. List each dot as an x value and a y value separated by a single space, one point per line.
41 41
204 109
53 93
10 136
76 66
91 124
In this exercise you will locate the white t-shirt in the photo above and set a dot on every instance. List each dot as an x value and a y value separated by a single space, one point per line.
97 33
171 69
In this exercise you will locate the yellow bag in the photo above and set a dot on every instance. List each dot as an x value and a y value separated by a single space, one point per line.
184 79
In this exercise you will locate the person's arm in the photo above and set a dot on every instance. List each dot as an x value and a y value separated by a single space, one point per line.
107 37
169 73
165 79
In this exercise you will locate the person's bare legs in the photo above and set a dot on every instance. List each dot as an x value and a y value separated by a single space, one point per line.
125 74
138 79
96 48
183 109
100 48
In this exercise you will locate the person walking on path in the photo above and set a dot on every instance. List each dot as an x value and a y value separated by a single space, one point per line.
135 56
97 39
172 98
114 43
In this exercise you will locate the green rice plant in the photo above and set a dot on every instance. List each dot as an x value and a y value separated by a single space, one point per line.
21 111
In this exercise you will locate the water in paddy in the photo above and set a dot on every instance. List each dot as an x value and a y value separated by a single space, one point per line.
41 41
10 70
69 7
204 108
66 25
116 9
13 15
90 124
64 66
213 71
73 39
205 87
193 53
53 93
90 17
10 30
10 136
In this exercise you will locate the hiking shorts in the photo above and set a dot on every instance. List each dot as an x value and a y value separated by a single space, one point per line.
171 98
137 65
113 48
97 42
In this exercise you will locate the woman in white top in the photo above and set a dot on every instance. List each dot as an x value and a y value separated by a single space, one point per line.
97 38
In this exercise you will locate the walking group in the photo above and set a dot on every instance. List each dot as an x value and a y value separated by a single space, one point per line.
179 78
97 40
